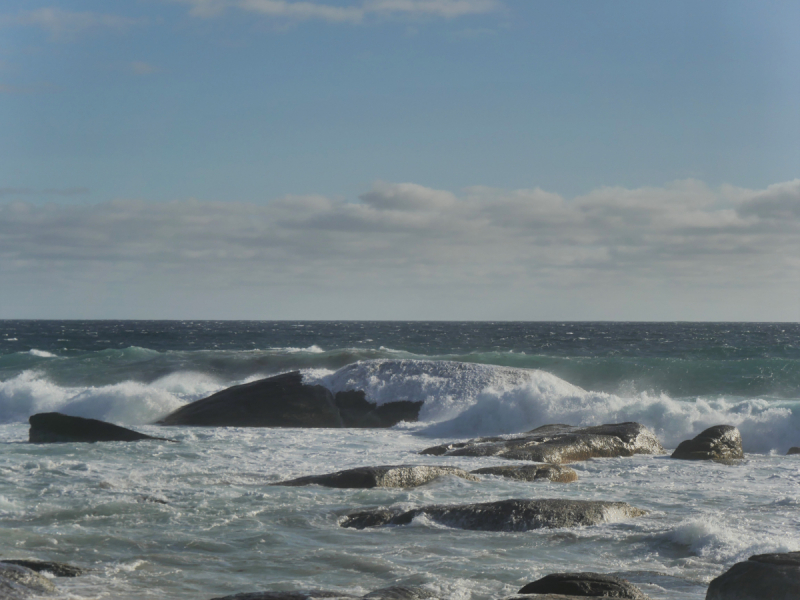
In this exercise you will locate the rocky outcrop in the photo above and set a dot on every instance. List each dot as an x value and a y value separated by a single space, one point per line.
584 585
401 476
761 577
793 450
285 401
53 427
396 592
17 583
561 444
505 515
721 442
554 473
55 568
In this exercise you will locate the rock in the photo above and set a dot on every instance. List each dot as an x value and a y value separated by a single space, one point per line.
721 442
554 473
505 515
285 401
560 444
400 592
793 450
396 592
18 582
761 577
53 427
56 568
583 585
401 476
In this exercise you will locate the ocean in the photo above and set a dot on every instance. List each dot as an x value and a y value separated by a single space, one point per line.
199 519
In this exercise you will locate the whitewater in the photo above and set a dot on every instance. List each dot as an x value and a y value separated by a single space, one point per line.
199 519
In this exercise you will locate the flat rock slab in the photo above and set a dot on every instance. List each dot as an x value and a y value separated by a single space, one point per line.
18 582
582 585
396 592
761 577
554 473
560 444
720 443
401 476
505 515
53 427
56 568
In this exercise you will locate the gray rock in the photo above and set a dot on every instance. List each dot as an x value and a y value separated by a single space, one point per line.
53 427
505 515
554 473
584 584
401 476
793 450
761 577
400 592
56 568
396 592
721 442
18 582
561 444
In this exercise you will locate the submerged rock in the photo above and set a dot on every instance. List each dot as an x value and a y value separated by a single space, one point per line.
583 585
721 442
395 592
18 582
505 515
761 577
285 401
554 473
560 444
56 568
793 450
401 476
53 427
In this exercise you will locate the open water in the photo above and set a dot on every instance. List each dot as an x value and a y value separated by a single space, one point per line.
199 519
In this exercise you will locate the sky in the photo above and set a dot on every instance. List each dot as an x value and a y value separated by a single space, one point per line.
400 159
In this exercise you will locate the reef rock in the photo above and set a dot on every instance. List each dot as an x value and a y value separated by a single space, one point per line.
582 585
761 577
401 476
18 582
53 427
560 444
554 473
56 568
721 442
285 401
505 515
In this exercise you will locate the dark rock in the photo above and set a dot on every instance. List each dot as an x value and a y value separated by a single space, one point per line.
397 592
18 582
400 592
505 515
554 473
583 585
56 568
561 444
401 476
761 577
285 401
53 427
793 450
721 442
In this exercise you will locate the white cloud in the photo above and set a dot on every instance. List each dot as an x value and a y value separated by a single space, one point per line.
64 24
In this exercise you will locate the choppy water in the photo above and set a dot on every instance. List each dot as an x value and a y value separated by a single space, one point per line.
198 519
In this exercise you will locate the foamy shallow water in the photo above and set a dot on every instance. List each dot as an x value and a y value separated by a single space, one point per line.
199 519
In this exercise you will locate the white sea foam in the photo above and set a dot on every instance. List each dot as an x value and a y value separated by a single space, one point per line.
41 353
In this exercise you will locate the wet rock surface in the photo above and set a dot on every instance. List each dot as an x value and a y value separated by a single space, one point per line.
56 568
721 442
396 592
17 582
285 401
761 577
53 427
584 585
505 515
555 473
560 444
400 476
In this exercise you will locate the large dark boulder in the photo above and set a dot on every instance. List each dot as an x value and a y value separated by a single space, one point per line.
761 577
285 401
584 585
721 442
400 476
793 450
56 568
53 427
555 473
505 515
560 444
17 583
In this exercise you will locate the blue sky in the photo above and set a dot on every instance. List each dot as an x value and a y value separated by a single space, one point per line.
223 113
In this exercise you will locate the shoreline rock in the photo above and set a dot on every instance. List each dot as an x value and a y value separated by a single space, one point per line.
56 568
554 473
793 450
504 515
395 592
560 444
56 428
18 582
582 585
773 576
400 476
718 443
